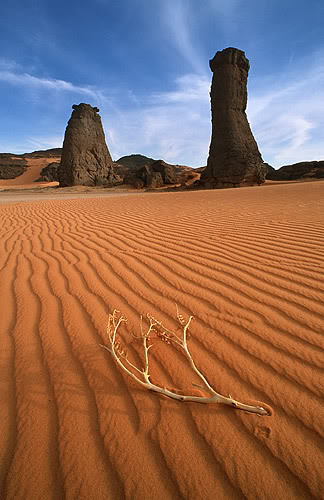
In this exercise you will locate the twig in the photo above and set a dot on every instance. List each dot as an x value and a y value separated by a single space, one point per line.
142 377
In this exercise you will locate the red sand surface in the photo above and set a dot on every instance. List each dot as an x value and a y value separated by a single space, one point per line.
248 263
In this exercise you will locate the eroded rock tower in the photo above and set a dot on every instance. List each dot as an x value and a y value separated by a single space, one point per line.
85 159
234 158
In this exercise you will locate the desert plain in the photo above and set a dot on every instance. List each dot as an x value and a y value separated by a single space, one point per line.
247 263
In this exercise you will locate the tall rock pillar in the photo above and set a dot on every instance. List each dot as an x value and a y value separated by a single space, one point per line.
234 158
85 159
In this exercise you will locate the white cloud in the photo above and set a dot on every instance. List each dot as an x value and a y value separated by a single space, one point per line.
11 73
171 125
179 19
46 142
225 12
189 88
8 65
286 113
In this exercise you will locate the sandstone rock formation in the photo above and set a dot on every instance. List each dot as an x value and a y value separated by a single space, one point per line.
130 171
85 157
168 172
49 173
144 177
301 170
270 171
10 168
154 180
135 160
154 175
234 158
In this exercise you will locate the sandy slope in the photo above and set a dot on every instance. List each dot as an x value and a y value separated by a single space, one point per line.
27 179
247 263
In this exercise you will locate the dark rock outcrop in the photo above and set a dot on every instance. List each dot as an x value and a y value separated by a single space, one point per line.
49 173
270 171
146 177
135 161
168 172
234 158
301 170
10 156
127 168
139 172
85 159
44 153
10 168
154 175
154 180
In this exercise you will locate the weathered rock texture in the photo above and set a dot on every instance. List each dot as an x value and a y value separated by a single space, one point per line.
168 172
85 157
140 172
156 174
301 170
49 173
234 158
10 168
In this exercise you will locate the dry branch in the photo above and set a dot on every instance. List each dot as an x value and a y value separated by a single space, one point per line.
142 377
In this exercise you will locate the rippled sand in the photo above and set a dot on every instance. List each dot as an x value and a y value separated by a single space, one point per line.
248 263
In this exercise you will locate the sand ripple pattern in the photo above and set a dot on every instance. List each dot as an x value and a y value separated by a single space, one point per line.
247 263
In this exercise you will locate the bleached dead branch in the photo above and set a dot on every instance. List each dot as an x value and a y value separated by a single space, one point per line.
142 377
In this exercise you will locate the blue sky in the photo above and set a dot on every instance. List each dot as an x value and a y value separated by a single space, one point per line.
144 63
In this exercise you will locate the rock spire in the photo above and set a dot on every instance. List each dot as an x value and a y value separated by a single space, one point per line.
234 158
85 157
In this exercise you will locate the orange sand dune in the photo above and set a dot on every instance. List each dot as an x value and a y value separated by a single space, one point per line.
247 263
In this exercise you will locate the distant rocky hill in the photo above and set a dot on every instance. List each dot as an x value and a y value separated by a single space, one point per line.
135 160
127 165
10 168
46 153
8 155
297 171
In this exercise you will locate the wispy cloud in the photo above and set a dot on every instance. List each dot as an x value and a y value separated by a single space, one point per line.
189 88
171 125
8 65
286 113
45 142
225 13
179 18
12 74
